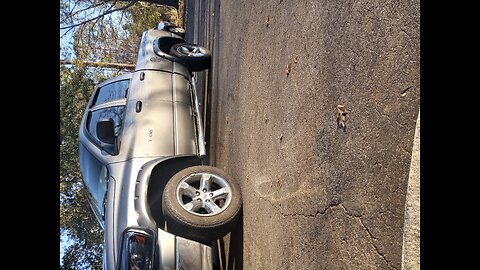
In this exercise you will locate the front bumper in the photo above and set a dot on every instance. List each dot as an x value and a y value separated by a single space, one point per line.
179 253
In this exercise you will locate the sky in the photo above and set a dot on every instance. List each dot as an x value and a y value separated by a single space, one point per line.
66 45
65 242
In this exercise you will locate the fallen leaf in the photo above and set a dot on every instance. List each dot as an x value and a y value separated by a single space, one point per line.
288 68
342 116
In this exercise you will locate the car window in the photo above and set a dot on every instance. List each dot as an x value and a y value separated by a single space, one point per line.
112 91
115 112
95 176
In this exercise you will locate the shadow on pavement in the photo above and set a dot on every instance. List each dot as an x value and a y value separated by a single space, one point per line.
234 248
202 22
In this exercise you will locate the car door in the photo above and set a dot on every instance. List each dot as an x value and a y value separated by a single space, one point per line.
108 102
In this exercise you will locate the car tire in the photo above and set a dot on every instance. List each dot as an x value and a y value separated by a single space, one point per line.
188 204
198 58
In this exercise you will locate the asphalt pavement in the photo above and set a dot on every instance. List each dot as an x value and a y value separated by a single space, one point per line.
316 195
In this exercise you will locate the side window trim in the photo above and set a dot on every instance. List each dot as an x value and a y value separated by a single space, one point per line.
114 103
125 77
93 97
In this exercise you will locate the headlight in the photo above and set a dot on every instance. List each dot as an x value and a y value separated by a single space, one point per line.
137 250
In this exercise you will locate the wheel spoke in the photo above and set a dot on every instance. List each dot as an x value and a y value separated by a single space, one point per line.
184 50
220 193
187 190
211 207
193 206
197 52
205 182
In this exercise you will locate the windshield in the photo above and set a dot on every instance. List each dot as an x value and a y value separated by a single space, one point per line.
95 176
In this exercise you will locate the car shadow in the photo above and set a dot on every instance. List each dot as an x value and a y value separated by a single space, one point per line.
227 252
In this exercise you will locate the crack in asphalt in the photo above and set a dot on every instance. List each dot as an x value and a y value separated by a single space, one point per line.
406 33
335 204
405 150
371 236
400 124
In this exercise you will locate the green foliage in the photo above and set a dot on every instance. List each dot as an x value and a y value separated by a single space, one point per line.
141 17
75 90
76 218
88 260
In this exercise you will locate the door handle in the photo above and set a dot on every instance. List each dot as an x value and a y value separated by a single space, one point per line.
138 106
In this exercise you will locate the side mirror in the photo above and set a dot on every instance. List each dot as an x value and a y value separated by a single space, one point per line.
106 131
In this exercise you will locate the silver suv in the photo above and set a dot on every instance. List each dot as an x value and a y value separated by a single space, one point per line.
142 156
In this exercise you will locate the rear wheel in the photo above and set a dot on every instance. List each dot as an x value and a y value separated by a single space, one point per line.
201 203
198 58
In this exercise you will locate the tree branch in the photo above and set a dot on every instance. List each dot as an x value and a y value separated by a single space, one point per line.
85 9
72 13
108 11
173 3
101 64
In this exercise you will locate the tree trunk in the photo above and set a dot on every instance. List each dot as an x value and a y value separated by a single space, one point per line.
101 64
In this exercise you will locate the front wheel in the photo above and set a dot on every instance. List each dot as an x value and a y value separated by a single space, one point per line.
198 58
201 203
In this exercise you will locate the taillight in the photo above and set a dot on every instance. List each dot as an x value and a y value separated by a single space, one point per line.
137 250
